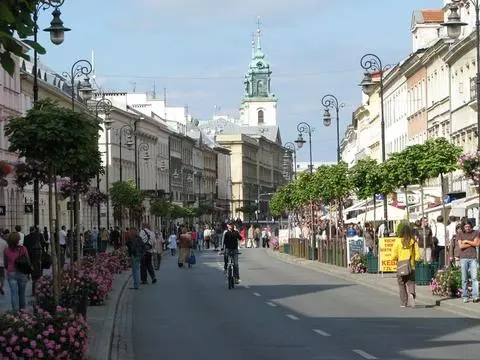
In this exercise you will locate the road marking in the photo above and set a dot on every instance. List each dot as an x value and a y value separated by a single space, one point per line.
256 294
321 332
271 304
293 317
364 354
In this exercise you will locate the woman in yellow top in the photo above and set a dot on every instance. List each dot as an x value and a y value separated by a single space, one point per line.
406 248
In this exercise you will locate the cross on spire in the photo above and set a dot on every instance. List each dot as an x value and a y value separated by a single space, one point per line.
259 22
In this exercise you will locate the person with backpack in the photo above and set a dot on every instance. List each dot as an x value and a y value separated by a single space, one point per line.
136 249
33 242
18 268
146 265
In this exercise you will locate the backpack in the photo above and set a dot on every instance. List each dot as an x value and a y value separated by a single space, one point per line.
136 246
148 243
22 263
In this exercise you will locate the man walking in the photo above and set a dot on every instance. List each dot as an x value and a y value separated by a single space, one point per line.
148 238
136 249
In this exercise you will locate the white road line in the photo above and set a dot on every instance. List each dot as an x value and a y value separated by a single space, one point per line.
364 354
293 317
321 332
256 294
271 304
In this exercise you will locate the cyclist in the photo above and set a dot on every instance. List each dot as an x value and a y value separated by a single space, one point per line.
230 246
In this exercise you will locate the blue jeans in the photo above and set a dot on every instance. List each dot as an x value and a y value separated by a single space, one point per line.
472 265
136 271
18 284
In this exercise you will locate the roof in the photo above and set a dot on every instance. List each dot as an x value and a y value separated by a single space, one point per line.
224 126
427 16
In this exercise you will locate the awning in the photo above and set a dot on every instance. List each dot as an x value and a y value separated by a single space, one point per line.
394 214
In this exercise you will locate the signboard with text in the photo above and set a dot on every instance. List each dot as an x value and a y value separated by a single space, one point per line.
385 246
355 245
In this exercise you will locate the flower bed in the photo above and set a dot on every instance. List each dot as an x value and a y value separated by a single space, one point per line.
447 282
63 335
358 264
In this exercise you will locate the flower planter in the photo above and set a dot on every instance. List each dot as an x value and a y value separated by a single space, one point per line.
372 263
423 273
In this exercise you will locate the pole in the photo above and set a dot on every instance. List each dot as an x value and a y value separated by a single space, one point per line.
338 134
477 31
312 241
120 155
98 204
137 180
107 153
382 127
36 183
295 163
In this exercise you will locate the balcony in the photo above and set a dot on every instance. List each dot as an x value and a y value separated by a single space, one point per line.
473 93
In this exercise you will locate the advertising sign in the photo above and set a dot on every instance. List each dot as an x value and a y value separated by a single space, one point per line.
385 246
355 245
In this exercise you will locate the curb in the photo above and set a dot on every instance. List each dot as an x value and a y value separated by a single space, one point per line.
115 312
100 349
440 303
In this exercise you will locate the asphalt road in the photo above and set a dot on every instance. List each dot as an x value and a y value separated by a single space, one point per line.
284 312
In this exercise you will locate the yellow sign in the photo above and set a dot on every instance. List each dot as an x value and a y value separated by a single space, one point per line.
386 263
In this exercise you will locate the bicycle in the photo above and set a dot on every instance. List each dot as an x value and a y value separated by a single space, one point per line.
230 272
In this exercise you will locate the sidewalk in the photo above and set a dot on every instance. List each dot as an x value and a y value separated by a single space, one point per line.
386 283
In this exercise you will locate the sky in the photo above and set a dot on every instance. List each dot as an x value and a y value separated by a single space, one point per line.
199 50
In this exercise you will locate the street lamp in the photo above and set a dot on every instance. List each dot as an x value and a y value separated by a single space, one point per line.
146 156
454 30
128 131
105 106
290 149
331 102
303 128
371 62
57 32
81 68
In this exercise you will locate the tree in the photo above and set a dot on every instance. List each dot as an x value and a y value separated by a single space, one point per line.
160 207
16 18
124 194
283 199
66 142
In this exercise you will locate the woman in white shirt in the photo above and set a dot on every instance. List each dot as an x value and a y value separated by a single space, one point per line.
172 244
439 233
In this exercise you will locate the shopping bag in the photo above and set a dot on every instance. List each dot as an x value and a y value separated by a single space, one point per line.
192 259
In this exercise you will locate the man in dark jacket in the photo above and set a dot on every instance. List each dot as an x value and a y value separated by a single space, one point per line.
34 242
231 237
136 249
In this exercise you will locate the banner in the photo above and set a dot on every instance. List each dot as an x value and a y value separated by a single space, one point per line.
355 245
385 246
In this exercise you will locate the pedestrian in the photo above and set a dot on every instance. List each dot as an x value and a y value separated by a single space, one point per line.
186 244
136 248
46 238
146 266
468 240
33 243
172 243
207 234
115 237
406 252
17 264
3 246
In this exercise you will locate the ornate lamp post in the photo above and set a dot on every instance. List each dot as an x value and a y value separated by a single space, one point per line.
81 68
128 131
290 149
331 102
302 128
57 32
371 62
105 106
146 156
454 29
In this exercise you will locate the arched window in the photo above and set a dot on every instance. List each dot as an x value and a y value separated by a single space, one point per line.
260 116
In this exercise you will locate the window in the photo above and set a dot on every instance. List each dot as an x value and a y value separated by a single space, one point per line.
260 116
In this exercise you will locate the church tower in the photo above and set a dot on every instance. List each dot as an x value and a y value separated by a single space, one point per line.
259 104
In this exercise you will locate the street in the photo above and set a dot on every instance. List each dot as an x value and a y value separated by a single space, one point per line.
283 312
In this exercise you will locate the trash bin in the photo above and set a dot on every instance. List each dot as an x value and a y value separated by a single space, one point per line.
372 263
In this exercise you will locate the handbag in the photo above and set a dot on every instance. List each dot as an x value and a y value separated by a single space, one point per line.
192 259
23 264
46 260
404 267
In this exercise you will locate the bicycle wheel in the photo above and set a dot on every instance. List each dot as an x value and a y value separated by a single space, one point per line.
231 280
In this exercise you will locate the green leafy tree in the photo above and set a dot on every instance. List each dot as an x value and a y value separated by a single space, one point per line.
66 142
442 157
124 194
16 18
160 207
283 199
